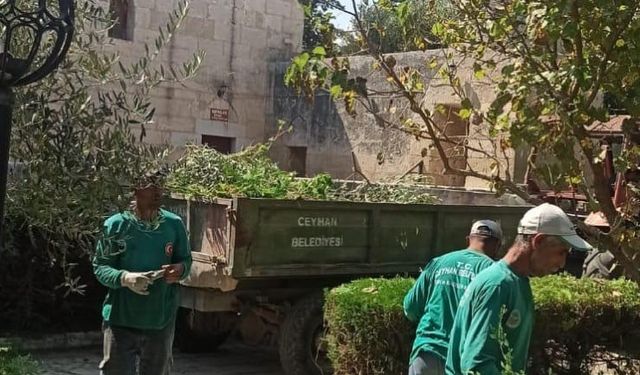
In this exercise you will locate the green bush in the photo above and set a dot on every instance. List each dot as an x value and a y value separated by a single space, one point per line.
12 363
578 323
367 331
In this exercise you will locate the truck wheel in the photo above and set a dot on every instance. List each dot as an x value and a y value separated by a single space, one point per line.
202 332
301 344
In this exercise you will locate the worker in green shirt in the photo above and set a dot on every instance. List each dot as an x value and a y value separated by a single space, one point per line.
143 253
433 300
500 298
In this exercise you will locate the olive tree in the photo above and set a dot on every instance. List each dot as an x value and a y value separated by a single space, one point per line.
77 144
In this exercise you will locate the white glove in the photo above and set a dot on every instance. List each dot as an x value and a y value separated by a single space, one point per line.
138 282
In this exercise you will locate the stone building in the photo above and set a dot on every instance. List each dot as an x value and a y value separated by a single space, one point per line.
224 106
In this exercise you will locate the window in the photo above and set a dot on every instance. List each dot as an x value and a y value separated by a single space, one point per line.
123 19
223 145
298 161
456 129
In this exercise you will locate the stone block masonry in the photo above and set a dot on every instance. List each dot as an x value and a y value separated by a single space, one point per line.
240 38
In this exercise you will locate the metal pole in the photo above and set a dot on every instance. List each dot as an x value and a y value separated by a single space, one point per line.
6 105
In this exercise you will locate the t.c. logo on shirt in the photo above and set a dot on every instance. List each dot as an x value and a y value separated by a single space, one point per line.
168 249
514 319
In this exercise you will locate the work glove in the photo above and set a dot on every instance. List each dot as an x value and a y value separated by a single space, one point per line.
173 272
136 281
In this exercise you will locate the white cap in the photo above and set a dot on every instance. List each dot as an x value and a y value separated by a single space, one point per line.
486 228
551 220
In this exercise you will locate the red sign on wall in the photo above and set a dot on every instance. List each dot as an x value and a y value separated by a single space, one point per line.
216 114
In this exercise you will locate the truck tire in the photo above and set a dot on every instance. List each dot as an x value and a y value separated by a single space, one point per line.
301 335
195 334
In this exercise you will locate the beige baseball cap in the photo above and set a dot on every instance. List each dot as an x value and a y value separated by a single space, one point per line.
551 220
486 228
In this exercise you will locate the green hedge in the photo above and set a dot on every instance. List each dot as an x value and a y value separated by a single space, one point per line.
579 322
12 363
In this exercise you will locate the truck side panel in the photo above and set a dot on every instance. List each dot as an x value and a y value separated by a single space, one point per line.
276 238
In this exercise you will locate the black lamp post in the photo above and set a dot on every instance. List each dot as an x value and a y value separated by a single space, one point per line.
34 37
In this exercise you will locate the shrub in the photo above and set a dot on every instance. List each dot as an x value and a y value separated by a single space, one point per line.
368 333
578 321
12 363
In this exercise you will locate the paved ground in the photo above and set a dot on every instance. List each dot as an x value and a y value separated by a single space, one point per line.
232 359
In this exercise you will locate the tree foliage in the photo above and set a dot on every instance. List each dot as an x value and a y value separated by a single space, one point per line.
76 146
398 25
318 26
549 64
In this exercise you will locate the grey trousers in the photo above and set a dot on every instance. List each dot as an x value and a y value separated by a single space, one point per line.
427 364
127 350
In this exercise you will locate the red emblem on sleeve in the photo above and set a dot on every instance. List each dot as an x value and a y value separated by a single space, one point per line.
168 249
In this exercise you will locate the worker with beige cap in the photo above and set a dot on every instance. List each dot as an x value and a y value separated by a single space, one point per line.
501 294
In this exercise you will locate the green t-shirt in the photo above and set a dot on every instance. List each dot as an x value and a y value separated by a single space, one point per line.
473 347
433 300
129 244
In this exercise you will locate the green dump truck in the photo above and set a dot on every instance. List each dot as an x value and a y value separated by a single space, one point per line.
260 265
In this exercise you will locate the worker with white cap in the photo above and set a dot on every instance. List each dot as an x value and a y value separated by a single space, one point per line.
500 296
433 300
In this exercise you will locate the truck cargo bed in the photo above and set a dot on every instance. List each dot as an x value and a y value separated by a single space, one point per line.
242 238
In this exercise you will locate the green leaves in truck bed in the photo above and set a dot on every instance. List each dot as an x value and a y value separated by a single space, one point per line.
205 173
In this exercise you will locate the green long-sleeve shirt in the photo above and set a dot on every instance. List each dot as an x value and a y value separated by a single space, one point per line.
131 245
433 300
496 293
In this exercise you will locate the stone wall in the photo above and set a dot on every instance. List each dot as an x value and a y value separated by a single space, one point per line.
336 141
